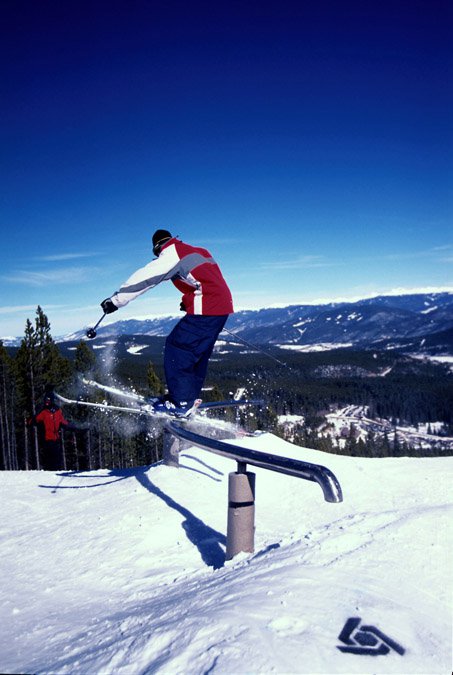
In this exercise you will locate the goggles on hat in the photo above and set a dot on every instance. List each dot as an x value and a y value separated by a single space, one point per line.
158 245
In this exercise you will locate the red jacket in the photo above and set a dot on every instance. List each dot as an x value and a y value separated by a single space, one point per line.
53 420
192 270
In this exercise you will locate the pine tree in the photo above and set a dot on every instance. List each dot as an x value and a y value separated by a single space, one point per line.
215 394
38 366
154 384
26 375
52 367
85 359
7 411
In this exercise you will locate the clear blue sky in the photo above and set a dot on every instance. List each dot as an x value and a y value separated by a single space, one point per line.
308 145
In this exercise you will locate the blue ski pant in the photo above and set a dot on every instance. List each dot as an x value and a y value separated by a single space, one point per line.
187 352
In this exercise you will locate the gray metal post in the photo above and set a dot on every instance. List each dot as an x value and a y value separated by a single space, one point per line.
171 450
241 513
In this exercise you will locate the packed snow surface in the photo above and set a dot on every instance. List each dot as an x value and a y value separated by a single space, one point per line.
136 349
124 571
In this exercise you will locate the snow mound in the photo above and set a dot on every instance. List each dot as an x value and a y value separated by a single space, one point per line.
124 571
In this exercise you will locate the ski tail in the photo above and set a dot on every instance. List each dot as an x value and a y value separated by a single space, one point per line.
115 391
102 406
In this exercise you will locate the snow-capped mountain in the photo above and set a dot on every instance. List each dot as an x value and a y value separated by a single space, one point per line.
413 322
407 321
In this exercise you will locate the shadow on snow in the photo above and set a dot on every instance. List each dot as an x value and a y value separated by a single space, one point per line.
208 541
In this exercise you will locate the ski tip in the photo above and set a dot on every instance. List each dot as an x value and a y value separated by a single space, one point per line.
191 410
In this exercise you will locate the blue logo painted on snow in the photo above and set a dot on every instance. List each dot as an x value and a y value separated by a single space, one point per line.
366 640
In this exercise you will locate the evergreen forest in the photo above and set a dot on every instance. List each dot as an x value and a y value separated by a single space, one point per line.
389 385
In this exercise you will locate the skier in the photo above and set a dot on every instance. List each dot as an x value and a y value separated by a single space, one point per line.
207 302
53 420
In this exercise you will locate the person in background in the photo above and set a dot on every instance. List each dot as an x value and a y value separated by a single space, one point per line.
53 421
206 301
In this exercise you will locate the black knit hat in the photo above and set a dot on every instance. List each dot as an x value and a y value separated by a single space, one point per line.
49 399
49 392
159 237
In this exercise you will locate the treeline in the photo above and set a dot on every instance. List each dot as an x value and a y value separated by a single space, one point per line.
309 385
96 439
413 392
373 446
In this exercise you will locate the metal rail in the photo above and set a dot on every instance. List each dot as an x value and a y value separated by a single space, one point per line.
292 467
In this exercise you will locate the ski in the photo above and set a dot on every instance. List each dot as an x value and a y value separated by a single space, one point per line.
141 400
146 409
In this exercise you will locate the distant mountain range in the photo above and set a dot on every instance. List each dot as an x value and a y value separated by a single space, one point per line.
420 323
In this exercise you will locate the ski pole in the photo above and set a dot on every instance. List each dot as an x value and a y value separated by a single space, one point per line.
250 344
91 332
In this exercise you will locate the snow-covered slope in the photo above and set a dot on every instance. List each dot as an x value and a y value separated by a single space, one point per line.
123 571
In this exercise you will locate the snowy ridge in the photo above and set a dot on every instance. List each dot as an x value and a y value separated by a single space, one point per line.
384 321
380 321
123 571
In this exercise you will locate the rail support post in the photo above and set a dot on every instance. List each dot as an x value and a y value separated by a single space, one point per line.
172 448
241 513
